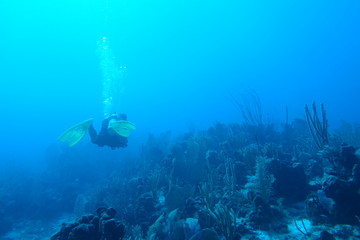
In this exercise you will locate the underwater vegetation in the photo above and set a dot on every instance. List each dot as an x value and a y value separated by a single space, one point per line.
249 180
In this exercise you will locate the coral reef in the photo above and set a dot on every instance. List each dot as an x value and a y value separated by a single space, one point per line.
246 180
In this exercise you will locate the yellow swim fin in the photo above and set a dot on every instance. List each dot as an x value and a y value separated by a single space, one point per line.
74 134
122 127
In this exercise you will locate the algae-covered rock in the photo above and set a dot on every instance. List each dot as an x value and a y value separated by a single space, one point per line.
101 225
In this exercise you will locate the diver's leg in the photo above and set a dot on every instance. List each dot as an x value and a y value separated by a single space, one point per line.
93 134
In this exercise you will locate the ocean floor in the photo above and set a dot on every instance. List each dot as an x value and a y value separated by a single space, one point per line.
36 230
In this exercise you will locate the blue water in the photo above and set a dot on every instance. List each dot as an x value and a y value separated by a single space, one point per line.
186 62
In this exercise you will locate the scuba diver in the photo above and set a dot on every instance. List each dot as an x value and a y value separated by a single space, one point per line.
114 132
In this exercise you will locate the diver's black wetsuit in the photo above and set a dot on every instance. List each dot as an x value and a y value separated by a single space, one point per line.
107 138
